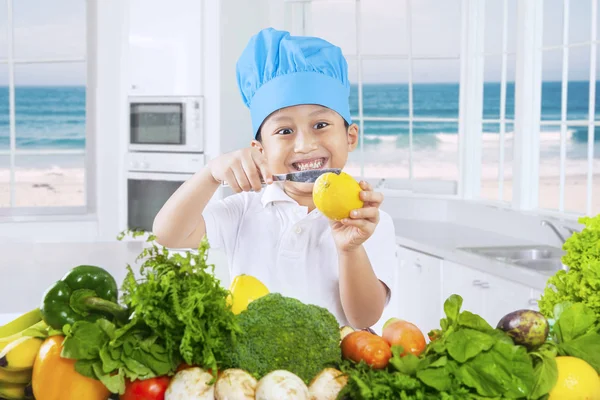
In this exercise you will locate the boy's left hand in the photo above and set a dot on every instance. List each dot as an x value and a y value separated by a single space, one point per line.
352 232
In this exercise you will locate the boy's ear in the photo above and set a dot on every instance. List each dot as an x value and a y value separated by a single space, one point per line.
352 137
256 144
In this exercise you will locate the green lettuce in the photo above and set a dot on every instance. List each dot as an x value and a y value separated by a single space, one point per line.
581 283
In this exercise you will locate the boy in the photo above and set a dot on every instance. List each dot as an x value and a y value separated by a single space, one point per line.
297 91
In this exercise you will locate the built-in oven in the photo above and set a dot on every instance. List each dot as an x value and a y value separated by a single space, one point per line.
167 123
151 180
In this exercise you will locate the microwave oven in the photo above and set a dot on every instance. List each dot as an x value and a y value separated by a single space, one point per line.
166 124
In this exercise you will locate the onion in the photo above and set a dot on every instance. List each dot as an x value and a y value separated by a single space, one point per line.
281 384
235 384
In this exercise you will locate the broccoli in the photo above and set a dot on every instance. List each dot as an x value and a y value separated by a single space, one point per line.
280 332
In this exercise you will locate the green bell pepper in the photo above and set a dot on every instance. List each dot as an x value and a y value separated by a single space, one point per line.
84 293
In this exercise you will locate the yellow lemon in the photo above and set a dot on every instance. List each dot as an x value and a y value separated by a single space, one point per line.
336 195
576 380
245 289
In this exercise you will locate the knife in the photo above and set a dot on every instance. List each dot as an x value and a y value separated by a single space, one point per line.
308 176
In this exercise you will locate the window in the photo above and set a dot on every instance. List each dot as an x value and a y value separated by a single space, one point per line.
43 102
497 133
405 68
569 160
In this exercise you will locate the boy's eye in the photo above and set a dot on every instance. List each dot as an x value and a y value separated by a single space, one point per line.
321 125
284 131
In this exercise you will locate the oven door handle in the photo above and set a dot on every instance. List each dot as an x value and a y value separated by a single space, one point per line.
158 176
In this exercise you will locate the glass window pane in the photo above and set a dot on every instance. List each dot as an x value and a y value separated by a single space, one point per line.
385 151
436 27
494 20
580 12
435 151
385 89
384 27
551 85
492 87
4 112
490 167
334 21
3 31
50 106
50 180
50 29
4 180
578 90
576 170
436 88
553 22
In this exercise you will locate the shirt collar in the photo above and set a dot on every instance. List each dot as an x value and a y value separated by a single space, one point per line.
273 193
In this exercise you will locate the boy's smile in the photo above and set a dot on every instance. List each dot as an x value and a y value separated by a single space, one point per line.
305 137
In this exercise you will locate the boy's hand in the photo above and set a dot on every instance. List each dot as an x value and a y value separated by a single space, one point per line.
241 169
351 233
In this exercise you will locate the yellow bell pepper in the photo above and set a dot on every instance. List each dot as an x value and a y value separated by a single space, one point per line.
55 378
245 289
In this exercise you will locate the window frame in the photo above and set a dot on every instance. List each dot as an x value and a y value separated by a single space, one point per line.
13 213
527 120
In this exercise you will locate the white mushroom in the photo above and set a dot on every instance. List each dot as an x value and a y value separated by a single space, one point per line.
327 385
235 384
191 384
279 385
345 331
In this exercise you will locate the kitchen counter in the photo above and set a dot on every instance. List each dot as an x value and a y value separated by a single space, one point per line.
445 240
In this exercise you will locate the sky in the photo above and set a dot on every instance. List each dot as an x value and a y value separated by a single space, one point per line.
56 28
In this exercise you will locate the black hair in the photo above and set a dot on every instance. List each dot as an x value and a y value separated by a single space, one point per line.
259 137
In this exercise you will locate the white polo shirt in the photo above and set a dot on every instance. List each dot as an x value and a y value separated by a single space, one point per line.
269 235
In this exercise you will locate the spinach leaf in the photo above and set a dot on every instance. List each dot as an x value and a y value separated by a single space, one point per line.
437 378
469 320
545 375
586 347
505 370
574 321
452 307
466 343
84 341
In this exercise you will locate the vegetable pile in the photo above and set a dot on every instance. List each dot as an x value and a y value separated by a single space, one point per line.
173 332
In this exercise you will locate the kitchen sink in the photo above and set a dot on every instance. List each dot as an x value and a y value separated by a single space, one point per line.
542 258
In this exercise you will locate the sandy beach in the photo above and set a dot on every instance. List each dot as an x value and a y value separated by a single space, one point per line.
49 187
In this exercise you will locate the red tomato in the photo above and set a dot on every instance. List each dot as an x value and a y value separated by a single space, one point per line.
149 389
366 346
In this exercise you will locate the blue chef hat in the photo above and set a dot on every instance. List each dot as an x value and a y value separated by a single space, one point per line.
277 70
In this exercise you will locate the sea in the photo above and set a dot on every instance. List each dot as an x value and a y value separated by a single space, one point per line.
53 118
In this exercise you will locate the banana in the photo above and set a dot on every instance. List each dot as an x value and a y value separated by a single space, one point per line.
15 392
5 341
20 354
20 323
15 377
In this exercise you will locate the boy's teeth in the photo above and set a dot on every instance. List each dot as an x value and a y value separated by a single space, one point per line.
310 165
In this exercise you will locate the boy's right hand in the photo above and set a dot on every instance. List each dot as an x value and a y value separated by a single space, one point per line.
241 169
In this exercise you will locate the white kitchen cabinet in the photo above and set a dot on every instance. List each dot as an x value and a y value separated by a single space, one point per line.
464 281
418 289
484 294
165 48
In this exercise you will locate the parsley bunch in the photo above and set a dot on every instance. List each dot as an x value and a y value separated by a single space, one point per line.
179 298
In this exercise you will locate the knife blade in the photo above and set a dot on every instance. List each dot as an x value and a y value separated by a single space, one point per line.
308 176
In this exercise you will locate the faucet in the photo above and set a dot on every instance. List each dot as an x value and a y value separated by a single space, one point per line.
545 222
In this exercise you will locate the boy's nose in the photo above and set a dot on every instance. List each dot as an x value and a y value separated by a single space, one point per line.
305 142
